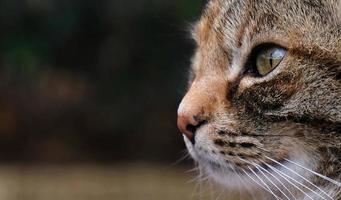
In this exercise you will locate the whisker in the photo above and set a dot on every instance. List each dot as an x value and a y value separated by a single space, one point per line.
195 169
201 177
301 184
255 181
241 181
275 176
200 183
260 167
185 156
220 195
262 149
299 176
280 174
272 182
317 174
278 181
266 185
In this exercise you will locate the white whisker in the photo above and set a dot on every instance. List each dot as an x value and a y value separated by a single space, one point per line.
195 169
272 182
317 174
264 183
263 149
280 174
255 181
258 166
278 181
300 176
241 182
301 184
185 155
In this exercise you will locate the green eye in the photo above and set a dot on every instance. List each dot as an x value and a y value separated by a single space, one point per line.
268 58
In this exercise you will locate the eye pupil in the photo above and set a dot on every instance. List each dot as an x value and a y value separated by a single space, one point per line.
271 61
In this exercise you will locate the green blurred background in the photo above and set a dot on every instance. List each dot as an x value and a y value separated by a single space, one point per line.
93 80
89 94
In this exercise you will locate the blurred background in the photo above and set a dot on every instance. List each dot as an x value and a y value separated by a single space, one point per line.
89 94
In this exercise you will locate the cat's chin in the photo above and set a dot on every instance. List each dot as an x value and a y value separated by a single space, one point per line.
224 174
227 177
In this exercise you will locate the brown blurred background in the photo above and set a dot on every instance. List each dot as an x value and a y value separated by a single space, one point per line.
89 93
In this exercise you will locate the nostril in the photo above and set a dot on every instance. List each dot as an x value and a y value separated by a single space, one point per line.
188 125
193 128
200 123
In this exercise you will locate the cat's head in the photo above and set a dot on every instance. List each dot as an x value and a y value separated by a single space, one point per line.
265 89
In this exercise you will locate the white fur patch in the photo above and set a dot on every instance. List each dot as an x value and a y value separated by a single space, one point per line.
282 180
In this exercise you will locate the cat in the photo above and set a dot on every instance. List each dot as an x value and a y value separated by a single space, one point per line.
263 107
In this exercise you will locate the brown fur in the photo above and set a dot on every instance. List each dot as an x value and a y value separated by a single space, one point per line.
300 104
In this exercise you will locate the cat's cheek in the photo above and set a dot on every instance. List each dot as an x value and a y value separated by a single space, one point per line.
289 149
268 93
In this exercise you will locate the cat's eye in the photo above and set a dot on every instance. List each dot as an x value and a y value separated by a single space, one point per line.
267 58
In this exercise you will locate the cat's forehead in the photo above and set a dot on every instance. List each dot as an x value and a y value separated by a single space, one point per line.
228 22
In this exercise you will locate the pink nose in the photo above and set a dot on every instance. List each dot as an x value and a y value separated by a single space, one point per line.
188 124
184 125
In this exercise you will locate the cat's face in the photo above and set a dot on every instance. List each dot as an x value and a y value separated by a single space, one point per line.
264 88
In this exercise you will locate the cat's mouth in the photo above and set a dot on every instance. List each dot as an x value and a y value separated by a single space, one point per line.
243 166
247 157
226 157
235 164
